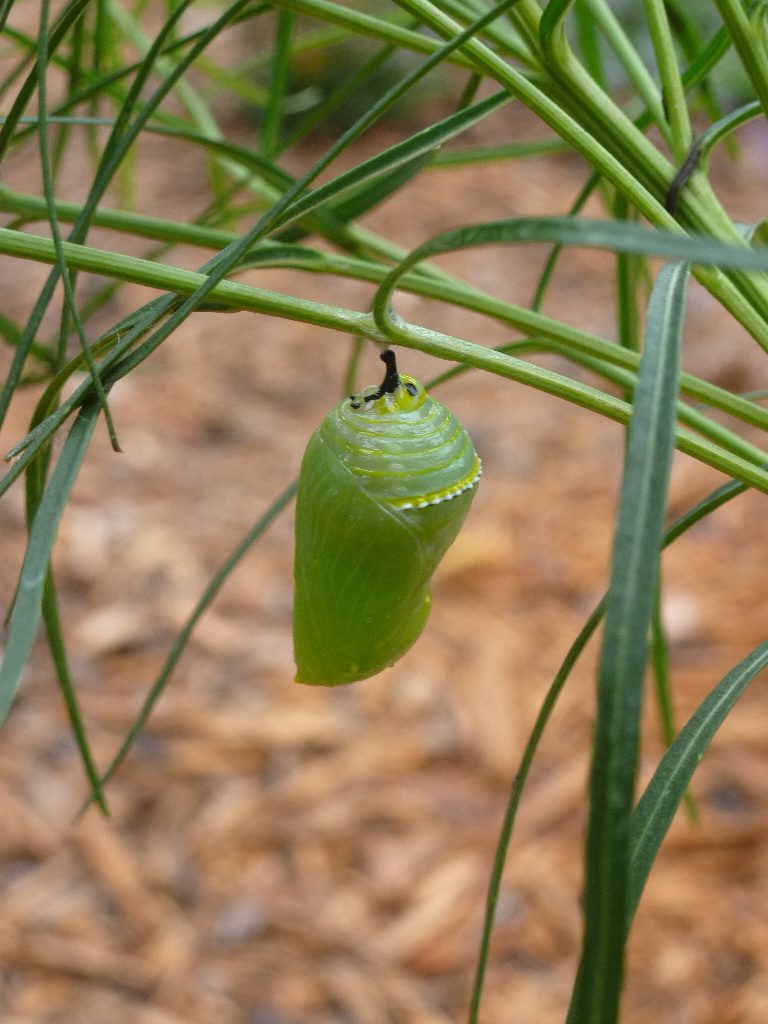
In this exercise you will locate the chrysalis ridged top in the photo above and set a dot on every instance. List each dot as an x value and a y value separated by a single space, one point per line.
409 450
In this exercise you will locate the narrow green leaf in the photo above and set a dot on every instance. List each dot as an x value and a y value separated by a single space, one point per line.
600 234
58 651
707 59
620 41
214 586
520 779
367 195
423 143
688 519
656 808
360 24
701 250
321 112
504 151
64 22
629 605
5 10
589 44
217 268
269 253
121 138
628 274
691 41
273 115
25 617
662 687
109 84
48 189
722 128
109 164
749 43
687 414
552 25
672 85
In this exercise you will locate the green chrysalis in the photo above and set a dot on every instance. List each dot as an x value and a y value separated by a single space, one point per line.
385 485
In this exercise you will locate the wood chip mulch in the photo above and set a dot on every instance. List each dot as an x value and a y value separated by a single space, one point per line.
278 854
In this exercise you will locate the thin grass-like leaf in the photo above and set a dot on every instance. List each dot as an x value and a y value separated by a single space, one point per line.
50 199
121 139
504 151
601 234
662 687
628 273
322 111
109 164
66 19
629 605
362 198
691 42
690 518
49 415
722 128
656 808
58 651
701 64
686 413
626 53
109 83
518 785
618 237
739 21
345 196
589 44
671 81
273 114
25 617
359 23
660 666
5 10
408 153
217 268
74 74
220 265
180 643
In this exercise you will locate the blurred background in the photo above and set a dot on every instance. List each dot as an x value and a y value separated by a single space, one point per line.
279 854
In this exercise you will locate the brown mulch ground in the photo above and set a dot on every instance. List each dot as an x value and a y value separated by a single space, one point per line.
284 855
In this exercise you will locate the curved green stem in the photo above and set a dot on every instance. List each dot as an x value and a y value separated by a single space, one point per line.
570 339
437 287
639 171
681 136
749 39
635 69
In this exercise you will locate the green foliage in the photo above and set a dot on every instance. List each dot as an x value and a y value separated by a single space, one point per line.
625 94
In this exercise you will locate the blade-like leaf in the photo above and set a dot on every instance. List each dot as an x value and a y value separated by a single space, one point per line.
656 808
25 617
58 651
214 586
618 236
629 604
408 152
688 519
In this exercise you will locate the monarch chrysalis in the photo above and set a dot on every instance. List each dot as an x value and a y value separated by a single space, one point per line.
385 485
